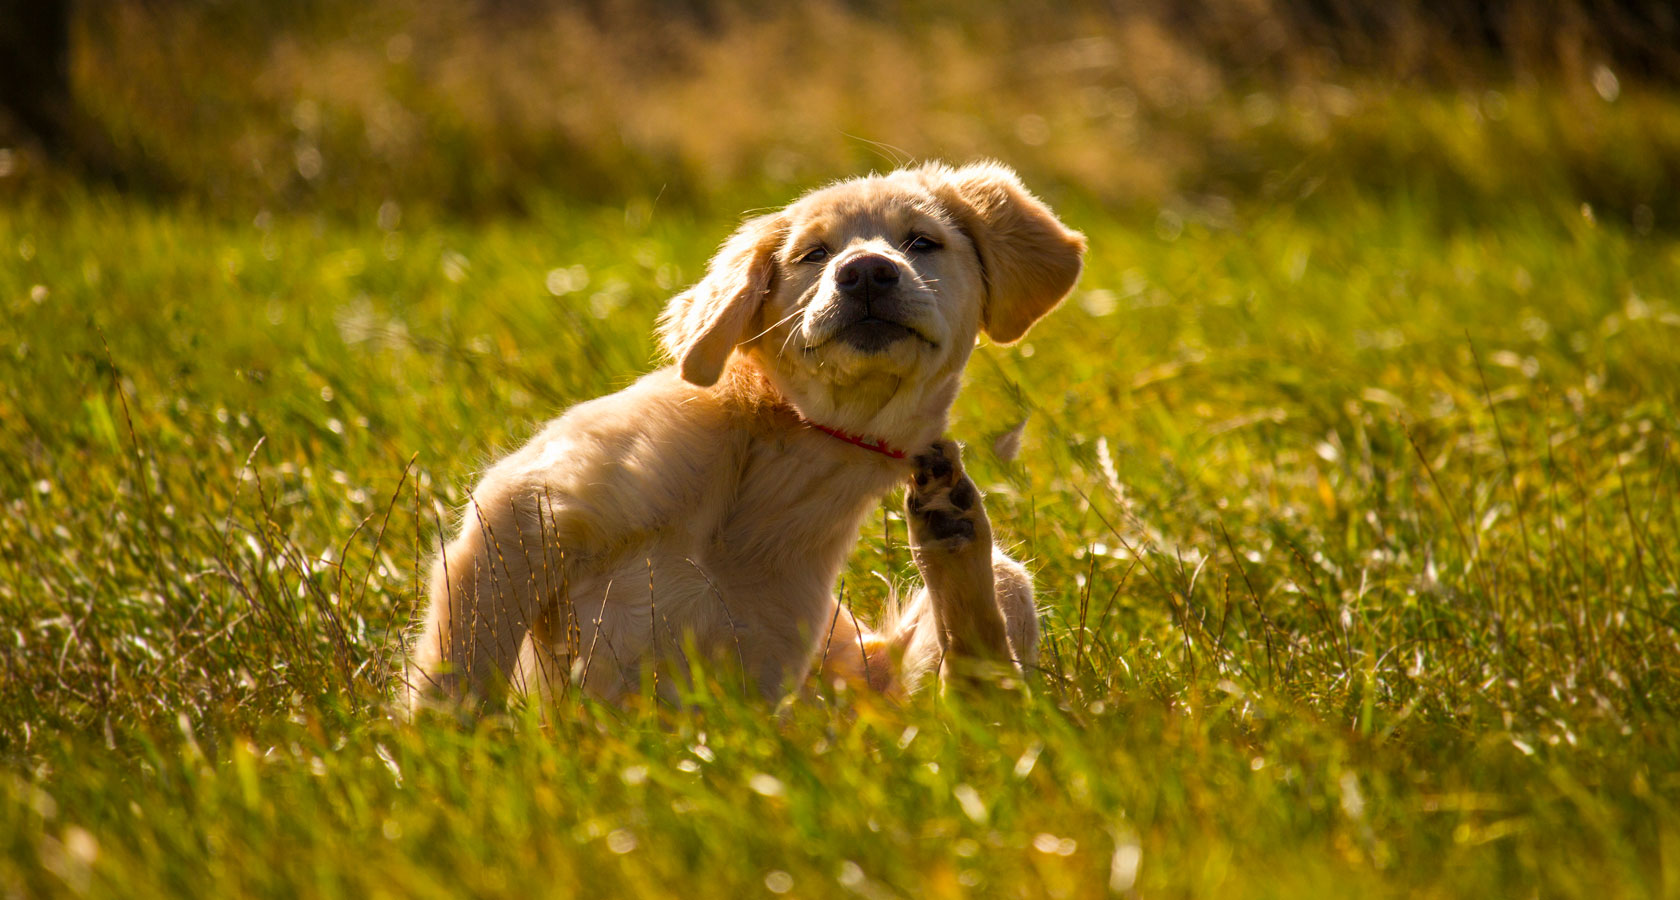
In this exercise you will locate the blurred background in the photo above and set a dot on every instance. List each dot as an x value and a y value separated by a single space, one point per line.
1185 110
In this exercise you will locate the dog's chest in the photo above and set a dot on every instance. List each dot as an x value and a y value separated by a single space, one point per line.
795 515
753 565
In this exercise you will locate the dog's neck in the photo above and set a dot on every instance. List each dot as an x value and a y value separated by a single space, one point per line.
876 445
883 418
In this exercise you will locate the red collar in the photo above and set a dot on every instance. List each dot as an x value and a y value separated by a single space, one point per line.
877 445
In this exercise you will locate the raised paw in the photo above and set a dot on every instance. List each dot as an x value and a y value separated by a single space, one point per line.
942 505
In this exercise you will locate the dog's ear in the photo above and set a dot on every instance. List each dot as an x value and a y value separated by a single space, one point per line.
1029 259
700 326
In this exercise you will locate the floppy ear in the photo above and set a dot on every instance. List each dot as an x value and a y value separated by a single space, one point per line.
1029 259
700 326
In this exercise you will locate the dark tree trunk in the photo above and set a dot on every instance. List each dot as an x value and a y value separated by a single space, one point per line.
35 69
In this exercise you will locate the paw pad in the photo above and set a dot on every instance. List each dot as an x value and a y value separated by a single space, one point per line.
942 503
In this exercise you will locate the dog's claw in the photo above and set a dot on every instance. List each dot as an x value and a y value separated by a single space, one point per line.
942 504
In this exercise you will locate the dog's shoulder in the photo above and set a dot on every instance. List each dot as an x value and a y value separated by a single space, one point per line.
650 450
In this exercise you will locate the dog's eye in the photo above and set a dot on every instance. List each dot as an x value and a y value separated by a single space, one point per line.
921 243
815 255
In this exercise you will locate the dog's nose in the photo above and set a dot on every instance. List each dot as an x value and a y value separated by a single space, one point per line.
866 274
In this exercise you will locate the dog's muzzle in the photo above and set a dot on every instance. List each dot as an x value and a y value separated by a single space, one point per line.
872 311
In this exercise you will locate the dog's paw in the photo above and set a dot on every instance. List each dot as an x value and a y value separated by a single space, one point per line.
942 505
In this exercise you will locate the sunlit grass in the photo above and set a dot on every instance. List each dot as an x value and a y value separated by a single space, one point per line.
1355 532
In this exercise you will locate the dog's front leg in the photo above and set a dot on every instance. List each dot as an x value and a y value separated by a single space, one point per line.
969 588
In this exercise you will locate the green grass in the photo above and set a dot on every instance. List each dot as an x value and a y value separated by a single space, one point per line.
1354 521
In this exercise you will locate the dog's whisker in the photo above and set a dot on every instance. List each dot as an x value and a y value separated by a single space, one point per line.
786 340
785 319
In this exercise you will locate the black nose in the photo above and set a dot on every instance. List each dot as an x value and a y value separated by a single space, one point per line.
866 274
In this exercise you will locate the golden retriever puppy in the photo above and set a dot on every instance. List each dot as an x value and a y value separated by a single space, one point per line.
701 516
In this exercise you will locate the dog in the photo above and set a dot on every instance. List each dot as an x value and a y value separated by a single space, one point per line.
700 517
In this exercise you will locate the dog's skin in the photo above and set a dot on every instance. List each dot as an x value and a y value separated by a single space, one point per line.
704 512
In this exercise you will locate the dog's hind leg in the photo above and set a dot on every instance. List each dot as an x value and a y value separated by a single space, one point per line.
481 612
973 618
975 613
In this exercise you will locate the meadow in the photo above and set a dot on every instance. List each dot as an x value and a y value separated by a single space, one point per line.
1347 475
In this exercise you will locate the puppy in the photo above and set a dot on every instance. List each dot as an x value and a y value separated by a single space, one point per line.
700 517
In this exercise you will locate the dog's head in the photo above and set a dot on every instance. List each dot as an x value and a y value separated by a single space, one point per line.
862 301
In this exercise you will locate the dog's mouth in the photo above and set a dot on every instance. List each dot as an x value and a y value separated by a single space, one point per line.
872 334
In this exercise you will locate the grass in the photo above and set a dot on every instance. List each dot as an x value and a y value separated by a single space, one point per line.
1356 536
1352 502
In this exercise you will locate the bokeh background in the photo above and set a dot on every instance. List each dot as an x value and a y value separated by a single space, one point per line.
1188 108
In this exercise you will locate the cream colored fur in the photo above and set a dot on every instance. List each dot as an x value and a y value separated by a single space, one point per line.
696 517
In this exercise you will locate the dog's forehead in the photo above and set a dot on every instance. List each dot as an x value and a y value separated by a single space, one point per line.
865 206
